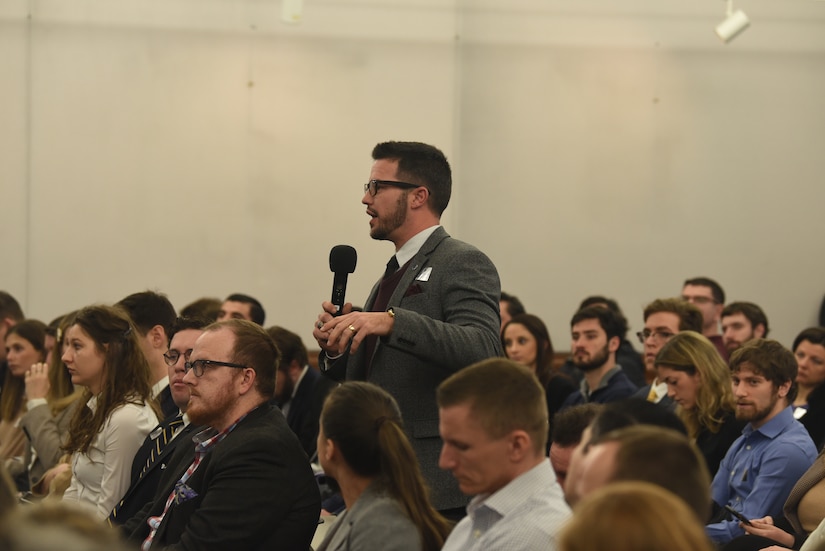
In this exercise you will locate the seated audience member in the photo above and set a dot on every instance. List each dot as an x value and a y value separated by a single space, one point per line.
741 322
206 308
153 316
698 381
762 465
803 513
664 318
175 431
10 314
57 526
25 346
631 516
242 307
509 306
568 427
525 340
299 389
362 446
493 422
809 405
647 453
116 411
709 297
245 482
626 355
596 334
52 401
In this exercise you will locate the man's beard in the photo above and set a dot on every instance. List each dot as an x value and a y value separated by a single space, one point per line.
394 220
595 362
760 414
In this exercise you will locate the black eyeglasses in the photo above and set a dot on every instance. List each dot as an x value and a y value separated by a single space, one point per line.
172 356
199 365
373 186
658 336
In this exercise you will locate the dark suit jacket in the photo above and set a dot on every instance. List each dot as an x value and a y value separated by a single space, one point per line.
143 488
446 318
255 491
305 408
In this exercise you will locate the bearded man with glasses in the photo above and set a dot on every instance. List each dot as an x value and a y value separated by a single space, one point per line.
243 482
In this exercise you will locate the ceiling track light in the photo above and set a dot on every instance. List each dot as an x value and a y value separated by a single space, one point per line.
735 22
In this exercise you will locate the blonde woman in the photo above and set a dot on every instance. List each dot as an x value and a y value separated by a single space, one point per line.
698 381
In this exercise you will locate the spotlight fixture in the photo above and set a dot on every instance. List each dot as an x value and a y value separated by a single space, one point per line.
734 23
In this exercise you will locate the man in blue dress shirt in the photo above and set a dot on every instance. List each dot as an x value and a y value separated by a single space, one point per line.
763 464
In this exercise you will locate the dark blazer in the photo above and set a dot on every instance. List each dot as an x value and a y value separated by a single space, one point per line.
168 407
254 491
305 408
814 419
446 318
143 488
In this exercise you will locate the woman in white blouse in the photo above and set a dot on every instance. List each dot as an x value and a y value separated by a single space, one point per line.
103 354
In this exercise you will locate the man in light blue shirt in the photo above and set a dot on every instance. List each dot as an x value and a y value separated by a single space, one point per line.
493 422
763 464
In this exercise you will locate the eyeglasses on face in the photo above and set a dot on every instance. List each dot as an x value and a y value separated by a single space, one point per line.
373 186
199 365
658 336
172 356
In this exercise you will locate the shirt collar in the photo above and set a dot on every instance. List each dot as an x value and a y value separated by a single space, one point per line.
776 426
511 496
413 245
298 382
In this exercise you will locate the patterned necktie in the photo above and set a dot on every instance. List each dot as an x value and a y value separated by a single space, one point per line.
165 436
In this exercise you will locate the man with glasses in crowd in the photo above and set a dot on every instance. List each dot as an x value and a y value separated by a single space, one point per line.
150 460
248 484
664 318
435 311
709 297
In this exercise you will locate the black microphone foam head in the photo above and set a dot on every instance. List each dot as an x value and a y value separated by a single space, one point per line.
342 259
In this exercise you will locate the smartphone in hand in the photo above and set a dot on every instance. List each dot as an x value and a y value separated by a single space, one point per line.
738 515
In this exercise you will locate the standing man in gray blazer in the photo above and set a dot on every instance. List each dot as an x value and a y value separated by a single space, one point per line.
433 312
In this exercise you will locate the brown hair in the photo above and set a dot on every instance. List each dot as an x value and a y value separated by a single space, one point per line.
691 353
365 423
629 516
12 399
690 317
126 374
503 395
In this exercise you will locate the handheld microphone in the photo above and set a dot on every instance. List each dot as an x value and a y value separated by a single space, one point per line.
342 259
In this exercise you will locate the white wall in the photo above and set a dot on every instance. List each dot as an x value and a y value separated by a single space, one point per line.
202 148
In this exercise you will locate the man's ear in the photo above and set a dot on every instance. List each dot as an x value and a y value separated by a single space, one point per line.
784 388
759 331
419 197
520 444
613 344
157 337
248 378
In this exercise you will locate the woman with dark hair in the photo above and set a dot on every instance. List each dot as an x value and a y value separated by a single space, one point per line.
698 381
809 405
363 447
24 346
117 412
51 402
525 340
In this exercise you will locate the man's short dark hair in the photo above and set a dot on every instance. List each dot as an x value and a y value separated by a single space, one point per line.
634 411
715 289
751 311
514 305
423 165
184 324
256 311
690 317
204 307
10 308
665 458
770 359
614 324
290 345
148 309
569 424
253 348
